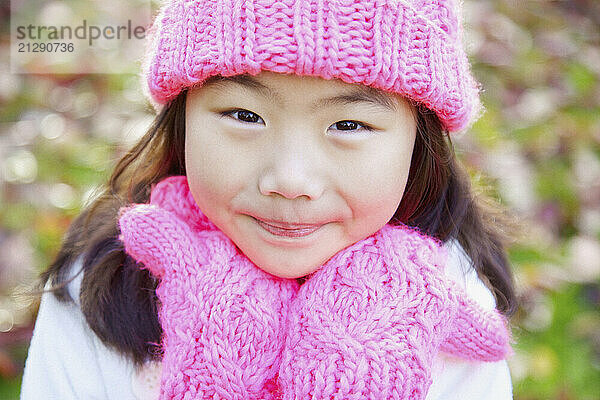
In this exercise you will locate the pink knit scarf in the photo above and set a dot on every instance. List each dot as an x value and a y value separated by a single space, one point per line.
366 325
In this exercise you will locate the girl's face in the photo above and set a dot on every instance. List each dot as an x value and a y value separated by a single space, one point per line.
294 169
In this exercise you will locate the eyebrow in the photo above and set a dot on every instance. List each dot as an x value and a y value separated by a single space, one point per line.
359 94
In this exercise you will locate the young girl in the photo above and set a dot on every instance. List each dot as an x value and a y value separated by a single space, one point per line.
294 224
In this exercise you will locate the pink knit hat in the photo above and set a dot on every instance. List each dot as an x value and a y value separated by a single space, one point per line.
410 47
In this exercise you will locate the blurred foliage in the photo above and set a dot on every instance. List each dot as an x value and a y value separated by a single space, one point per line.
537 146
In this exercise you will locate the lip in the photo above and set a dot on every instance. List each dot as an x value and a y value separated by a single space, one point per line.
285 229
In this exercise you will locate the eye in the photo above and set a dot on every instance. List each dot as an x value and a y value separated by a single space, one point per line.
350 126
244 116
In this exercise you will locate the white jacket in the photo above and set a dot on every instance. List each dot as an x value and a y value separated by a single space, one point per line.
67 361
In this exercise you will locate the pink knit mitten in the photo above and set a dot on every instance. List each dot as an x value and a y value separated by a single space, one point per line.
368 324
223 319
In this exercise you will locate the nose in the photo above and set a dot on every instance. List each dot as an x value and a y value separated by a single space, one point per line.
294 170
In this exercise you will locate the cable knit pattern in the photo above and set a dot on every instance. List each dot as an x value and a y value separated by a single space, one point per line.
410 47
366 325
223 319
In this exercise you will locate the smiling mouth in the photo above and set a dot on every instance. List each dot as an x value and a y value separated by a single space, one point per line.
292 231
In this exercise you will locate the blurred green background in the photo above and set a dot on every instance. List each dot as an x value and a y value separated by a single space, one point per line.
537 147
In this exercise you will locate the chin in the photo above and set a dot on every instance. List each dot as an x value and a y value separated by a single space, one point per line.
291 272
287 274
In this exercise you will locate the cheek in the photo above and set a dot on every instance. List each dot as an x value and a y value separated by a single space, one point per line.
212 157
212 168
374 193
381 178
382 189
200 178
391 159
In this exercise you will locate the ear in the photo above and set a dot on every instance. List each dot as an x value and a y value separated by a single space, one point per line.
477 334
153 236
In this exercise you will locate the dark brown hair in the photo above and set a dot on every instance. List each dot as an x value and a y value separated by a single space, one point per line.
118 298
